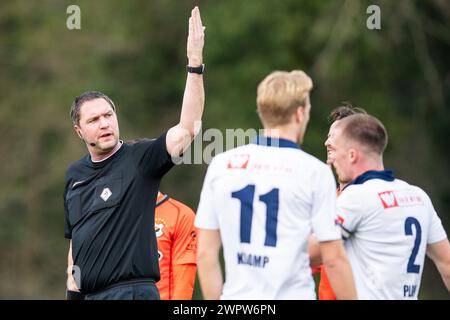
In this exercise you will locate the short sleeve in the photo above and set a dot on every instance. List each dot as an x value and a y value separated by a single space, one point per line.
436 231
67 226
350 212
324 207
185 238
151 156
206 215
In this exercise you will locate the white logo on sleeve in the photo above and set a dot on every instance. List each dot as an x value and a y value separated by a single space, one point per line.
106 193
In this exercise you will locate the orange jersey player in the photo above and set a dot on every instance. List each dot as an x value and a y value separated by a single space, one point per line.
177 248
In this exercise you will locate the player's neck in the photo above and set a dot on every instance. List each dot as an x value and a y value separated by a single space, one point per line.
368 165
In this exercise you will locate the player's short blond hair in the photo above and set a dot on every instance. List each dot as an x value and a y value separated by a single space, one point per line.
280 94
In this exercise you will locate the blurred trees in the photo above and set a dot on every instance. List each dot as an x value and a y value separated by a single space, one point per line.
134 51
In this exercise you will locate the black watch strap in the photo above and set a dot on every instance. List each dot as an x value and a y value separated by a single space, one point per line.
198 70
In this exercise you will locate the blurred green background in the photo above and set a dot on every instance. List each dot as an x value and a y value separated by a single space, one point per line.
135 51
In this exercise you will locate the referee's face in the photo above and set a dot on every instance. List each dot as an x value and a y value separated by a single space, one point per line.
98 126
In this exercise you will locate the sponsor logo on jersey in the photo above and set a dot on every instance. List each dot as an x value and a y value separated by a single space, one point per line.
238 161
344 232
402 198
388 199
339 221
409 198
159 227
192 245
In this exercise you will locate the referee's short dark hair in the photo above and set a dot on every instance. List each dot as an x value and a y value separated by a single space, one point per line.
365 129
84 97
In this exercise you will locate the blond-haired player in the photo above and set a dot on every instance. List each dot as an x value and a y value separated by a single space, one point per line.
263 200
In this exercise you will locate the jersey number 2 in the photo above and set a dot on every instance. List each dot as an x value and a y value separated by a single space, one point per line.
270 199
409 222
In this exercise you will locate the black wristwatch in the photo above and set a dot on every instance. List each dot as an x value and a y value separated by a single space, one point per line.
198 70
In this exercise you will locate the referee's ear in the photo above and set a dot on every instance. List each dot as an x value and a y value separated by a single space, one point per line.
78 131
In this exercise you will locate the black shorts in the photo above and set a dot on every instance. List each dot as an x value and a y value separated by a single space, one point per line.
142 289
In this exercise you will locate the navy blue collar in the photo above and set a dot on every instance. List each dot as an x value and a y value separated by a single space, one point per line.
386 175
274 142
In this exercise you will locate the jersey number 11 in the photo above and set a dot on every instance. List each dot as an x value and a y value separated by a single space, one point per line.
271 200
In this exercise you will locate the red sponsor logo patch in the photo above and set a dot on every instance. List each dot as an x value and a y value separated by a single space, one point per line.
388 199
339 220
238 161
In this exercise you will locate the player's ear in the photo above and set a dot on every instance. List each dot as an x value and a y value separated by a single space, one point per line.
353 155
299 114
78 131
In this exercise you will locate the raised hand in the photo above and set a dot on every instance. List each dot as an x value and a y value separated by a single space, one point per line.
196 39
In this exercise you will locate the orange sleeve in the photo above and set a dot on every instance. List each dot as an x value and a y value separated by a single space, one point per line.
184 255
185 238
183 278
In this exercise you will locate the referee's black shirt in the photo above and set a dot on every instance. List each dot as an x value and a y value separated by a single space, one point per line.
110 211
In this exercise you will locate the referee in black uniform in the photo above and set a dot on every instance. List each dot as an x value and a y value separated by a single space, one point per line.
110 194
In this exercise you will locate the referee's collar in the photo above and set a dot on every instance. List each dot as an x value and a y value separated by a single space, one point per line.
104 159
275 142
386 175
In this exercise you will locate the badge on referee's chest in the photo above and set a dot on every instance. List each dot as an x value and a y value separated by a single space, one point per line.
106 193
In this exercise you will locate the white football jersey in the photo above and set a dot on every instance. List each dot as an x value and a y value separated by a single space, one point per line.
266 201
388 225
